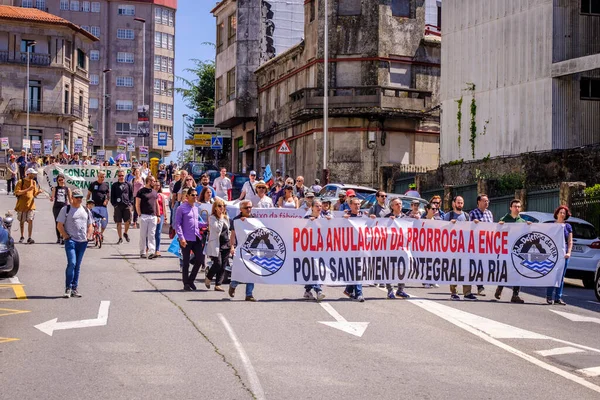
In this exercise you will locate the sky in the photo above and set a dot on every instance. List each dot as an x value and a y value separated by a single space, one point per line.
194 25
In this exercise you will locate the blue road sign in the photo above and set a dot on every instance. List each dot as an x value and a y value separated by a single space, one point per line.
216 143
162 138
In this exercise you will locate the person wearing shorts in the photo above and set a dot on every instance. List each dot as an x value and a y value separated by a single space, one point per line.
99 192
26 191
121 197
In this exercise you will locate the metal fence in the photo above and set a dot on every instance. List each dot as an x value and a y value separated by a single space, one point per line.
469 194
587 208
401 185
499 206
428 194
543 200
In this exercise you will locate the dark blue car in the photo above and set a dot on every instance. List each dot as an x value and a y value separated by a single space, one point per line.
9 257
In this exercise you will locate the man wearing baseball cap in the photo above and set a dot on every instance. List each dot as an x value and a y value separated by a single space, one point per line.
75 224
341 200
350 194
26 191
248 190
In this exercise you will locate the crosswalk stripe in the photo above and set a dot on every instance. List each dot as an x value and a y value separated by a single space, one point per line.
558 351
591 372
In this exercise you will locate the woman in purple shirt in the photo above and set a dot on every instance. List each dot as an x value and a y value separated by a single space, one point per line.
188 232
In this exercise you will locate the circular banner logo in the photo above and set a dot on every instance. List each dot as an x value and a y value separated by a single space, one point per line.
263 252
534 255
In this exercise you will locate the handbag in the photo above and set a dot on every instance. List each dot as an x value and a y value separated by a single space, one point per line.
171 232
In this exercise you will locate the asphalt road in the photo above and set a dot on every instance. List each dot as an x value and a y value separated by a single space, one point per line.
161 342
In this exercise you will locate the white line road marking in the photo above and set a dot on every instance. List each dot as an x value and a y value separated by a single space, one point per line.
576 318
252 377
353 328
49 327
450 314
559 351
591 372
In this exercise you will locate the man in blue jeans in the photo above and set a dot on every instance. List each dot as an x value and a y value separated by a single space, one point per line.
75 225
245 212
354 291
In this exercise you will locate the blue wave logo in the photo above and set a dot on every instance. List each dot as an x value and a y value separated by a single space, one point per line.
542 267
271 264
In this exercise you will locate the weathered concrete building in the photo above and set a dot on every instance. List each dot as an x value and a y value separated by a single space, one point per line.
383 78
58 77
249 33
519 76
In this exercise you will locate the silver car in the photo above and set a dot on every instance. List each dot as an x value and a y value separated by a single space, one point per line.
585 255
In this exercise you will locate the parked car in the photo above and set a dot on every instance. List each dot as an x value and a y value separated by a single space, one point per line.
406 200
196 169
597 283
9 256
585 255
237 181
330 191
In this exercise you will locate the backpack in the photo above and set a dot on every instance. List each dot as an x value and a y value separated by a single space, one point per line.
453 215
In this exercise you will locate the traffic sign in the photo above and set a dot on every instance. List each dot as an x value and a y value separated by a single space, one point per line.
162 138
284 148
216 143
204 121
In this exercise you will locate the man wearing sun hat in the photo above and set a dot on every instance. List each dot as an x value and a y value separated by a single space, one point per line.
26 191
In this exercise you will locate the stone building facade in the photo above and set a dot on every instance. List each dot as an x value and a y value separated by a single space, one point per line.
58 77
384 76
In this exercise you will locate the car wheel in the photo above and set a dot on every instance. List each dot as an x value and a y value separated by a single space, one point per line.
15 262
597 286
589 282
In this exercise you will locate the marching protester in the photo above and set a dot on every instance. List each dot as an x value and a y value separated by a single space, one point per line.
561 215
299 189
396 213
245 212
188 233
11 174
137 183
218 247
380 209
22 163
99 192
75 224
60 197
341 201
436 205
187 183
170 170
430 212
206 196
121 197
248 190
161 201
205 183
307 202
275 192
162 174
146 204
315 213
326 208
223 185
414 210
288 200
262 200
481 214
354 291
350 194
510 218
316 188
412 191
26 191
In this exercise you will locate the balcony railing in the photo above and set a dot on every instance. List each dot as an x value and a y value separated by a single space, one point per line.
56 108
21 58
401 99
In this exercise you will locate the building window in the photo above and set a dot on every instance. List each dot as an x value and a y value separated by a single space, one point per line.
156 110
171 18
64 4
124 105
157 15
95 6
157 63
439 16
125 34
94 55
74 5
232 29
590 7
126 9
94 79
157 86
165 16
27 3
164 41
169 112
85 28
350 7
170 42
126 58
40 5
170 65
400 75
590 88
95 31
123 128
93 103
219 92
401 8
124 81
220 39
81 59
231 84
163 110
85 6
312 10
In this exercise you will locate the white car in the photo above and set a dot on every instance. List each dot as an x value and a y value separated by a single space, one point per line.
597 284
585 255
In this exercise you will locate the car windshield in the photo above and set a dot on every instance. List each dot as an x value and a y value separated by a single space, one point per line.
362 194
197 169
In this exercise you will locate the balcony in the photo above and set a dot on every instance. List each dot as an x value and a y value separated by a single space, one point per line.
359 99
38 59
51 108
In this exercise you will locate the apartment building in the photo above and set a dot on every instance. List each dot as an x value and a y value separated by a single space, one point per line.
384 68
249 33
137 70
530 68
57 91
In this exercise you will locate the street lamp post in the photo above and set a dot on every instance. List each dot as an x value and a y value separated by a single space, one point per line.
103 109
143 21
325 92
184 116
27 90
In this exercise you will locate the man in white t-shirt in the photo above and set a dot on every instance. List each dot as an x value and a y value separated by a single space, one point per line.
262 200
249 189
222 185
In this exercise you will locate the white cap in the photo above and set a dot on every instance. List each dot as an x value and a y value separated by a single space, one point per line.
31 171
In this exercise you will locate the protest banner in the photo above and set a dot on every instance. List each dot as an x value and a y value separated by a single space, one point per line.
368 251
47 147
78 148
4 143
76 176
36 147
101 155
121 146
143 153
131 144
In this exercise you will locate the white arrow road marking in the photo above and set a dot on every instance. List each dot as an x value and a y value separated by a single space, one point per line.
49 327
482 328
353 328
576 318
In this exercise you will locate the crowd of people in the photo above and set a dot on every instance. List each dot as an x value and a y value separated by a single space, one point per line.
207 240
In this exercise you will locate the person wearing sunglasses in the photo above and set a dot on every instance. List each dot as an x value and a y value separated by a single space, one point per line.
60 196
218 247
380 209
436 205
262 200
137 183
188 232
121 198
288 200
146 204
245 212
396 213
314 213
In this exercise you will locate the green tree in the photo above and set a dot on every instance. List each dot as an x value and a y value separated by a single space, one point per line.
199 92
